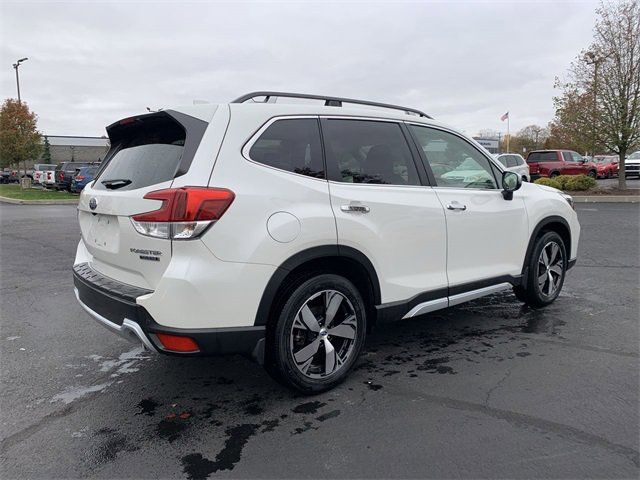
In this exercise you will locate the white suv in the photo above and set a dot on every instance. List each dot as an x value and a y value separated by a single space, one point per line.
286 231
514 162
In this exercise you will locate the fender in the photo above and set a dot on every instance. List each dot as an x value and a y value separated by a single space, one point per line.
536 231
305 256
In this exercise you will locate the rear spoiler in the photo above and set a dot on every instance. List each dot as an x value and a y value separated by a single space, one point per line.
194 131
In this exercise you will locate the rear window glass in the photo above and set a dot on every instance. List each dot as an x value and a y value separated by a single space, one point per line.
292 145
145 152
542 157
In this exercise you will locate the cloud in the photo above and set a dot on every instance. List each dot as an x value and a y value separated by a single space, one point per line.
463 62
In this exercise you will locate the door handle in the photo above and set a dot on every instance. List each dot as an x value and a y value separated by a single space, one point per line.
456 206
355 208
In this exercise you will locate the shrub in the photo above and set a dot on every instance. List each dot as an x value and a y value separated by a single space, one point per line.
571 183
579 183
548 182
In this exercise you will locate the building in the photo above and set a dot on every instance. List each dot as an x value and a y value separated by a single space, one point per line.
491 144
65 148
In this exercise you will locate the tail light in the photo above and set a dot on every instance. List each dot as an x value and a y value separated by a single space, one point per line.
79 178
185 212
61 175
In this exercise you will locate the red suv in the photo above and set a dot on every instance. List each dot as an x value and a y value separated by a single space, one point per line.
551 163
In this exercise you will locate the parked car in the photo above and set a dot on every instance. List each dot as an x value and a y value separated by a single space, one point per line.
65 172
39 170
82 177
632 165
551 163
48 180
515 162
607 165
285 231
8 176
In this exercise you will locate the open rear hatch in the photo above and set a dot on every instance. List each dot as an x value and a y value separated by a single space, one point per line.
147 152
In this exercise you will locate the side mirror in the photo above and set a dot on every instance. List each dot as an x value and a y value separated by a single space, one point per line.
511 182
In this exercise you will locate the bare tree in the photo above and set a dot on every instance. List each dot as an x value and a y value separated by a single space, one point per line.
608 76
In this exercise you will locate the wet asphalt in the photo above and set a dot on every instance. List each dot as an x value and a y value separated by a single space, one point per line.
490 389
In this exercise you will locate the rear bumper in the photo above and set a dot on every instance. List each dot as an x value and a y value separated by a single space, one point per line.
113 305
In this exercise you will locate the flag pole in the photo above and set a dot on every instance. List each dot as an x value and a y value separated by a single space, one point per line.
508 132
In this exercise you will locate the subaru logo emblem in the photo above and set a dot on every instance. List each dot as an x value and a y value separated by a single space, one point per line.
93 203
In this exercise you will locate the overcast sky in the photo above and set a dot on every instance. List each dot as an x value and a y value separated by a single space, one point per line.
465 63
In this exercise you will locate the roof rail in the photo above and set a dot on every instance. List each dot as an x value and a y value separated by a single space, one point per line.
328 101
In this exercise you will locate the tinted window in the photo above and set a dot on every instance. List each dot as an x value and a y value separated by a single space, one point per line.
535 157
292 145
145 152
363 151
503 160
454 161
512 161
577 157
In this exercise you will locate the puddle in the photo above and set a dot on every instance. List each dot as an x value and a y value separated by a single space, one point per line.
197 467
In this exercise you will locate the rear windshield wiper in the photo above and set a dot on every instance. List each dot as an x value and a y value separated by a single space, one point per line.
115 183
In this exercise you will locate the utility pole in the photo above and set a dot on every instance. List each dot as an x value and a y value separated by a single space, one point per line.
595 60
15 67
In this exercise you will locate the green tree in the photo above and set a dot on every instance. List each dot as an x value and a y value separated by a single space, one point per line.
46 151
19 139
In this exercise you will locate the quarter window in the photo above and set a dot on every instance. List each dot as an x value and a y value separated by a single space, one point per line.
292 145
453 161
364 151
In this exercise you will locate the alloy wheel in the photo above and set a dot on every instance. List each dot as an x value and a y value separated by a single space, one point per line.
550 269
323 334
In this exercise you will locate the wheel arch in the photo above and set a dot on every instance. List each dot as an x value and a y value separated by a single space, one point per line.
340 259
553 223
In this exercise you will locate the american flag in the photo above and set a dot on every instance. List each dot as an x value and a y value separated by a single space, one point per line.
504 117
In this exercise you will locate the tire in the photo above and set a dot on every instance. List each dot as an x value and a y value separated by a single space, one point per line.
554 272
609 174
592 174
297 346
554 175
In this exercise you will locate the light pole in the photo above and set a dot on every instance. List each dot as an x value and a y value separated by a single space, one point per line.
15 66
595 60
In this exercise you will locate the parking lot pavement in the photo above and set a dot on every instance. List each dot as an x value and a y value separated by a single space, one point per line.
487 389
632 182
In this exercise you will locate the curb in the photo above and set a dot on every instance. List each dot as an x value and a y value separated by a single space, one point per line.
15 201
606 198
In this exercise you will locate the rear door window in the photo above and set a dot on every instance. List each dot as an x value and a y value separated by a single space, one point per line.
536 157
291 144
512 161
368 151
144 152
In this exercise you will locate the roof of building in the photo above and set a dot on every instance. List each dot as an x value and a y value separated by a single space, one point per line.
71 141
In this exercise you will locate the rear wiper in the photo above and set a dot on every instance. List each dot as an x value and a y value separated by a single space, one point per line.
115 183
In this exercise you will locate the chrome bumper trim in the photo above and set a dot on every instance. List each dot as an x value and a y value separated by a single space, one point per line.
129 329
